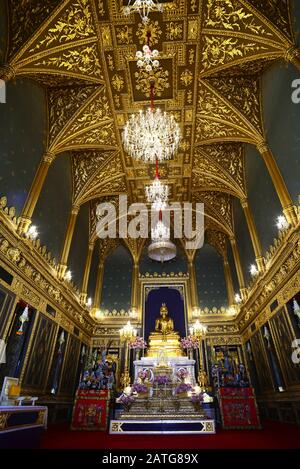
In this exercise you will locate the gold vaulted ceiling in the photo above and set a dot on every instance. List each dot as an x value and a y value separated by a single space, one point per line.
213 53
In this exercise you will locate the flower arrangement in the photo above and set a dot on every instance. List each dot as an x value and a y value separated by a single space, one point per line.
189 343
138 344
143 374
162 379
182 373
183 388
140 388
197 398
125 400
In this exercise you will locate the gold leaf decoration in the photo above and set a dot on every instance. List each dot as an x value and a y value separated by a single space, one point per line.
80 60
63 103
74 23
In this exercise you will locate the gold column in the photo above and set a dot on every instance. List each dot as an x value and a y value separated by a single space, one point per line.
87 269
228 280
67 242
279 184
193 284
293 55
253 235
98 288
135 285
7 72
34 193
238 266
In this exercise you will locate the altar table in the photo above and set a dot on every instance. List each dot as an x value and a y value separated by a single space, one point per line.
22 426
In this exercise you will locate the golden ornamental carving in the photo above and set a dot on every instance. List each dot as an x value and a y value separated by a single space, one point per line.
84 164
154 28
218 240
24 21
77 61
278 13
159 75
219 204
231 15
244 94
209 172
74 23
219 51
174 31
63 103
220 119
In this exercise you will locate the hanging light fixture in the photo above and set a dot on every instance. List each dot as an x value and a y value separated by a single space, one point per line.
151 135
143 7
147 58
161 248
157 193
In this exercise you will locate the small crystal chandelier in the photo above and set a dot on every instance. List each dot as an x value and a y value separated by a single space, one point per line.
160 232
151 134
143 7
147 59
161 249
157 193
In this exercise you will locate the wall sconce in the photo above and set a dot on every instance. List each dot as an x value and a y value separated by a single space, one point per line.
282 223
32 233
253 270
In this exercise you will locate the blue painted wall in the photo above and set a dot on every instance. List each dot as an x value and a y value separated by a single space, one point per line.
22 138
210 278
50 216
116 291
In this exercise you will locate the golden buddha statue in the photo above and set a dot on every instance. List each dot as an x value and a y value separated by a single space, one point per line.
164 338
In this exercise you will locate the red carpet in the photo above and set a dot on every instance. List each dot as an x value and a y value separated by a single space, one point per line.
274 435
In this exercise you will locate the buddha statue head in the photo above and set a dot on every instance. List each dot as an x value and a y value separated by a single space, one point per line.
164 310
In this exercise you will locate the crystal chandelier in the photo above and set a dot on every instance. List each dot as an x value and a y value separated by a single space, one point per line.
160 232
151 134
143 7
147 59
161 249
157 193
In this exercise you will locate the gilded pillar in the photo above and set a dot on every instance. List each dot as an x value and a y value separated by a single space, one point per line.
135 286
293 55
228 280
7 72
193 284
34 193
87 269
238 266
67 241
279 184
98 288
253 235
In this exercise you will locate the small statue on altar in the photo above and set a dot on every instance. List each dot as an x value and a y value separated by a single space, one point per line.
202 378
164 338
165 324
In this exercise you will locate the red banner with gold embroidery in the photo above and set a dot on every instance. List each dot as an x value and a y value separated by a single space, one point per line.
238 408
90 410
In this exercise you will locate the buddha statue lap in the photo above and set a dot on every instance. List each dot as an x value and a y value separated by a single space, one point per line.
164 337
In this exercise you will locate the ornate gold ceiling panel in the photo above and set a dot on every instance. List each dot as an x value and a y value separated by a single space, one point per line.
220 167
235 32
93 218
218 207
85 122
97 174
217 239
221 115
65 43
